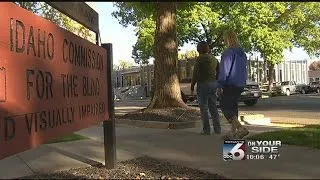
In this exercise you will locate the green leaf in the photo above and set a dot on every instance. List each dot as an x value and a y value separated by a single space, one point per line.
267 27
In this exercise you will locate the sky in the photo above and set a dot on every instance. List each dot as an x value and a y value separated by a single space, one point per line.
124 38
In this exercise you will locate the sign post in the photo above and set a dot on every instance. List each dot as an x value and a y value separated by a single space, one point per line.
109 125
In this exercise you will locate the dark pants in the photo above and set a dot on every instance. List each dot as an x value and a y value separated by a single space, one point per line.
229 101
207 102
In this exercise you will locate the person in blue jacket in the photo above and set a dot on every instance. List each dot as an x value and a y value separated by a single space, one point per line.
231 82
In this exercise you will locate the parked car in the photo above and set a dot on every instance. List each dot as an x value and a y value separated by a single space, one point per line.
315 86
251 93
303 88
290 87
249 96
274 84
185 86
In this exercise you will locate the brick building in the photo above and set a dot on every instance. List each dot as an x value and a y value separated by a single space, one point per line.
314 75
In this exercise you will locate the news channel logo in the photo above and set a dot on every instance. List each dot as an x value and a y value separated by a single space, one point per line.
234 150
242 150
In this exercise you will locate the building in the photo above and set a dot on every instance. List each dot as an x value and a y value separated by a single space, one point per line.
314 76
139 77
293 70
127 77
142 77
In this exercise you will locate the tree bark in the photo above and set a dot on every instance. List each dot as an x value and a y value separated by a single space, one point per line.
167 90
271 76
265 68
208 36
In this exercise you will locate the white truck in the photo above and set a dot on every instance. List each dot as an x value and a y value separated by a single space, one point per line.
290 87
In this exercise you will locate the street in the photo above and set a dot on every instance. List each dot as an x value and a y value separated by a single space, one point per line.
286 109
291 109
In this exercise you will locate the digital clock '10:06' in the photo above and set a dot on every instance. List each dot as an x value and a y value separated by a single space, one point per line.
255 156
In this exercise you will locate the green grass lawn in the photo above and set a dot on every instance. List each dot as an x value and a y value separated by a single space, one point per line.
308 136
71 137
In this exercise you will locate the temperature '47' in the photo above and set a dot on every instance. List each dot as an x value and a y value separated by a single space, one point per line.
274 156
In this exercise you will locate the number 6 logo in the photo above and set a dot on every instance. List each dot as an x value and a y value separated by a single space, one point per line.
238 154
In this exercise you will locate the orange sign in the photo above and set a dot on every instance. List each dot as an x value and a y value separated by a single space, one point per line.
52 82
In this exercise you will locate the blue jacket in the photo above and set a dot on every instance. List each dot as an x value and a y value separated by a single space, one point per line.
238 74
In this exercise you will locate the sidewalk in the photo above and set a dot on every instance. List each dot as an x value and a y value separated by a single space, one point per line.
185 147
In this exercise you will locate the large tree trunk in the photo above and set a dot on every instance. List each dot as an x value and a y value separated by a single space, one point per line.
271 76
167 90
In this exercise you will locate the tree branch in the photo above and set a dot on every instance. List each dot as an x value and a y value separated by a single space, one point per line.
207 35
286 13
218 39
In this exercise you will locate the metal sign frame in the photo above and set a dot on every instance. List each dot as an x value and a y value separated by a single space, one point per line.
79 11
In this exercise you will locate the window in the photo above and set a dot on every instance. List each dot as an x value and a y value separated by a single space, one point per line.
122 81
304 73
298 73
125 84
183 73
134 80
292 71
274 74
317 79
145 76
130 79
138 80
117 81
285 83
191 71
287 72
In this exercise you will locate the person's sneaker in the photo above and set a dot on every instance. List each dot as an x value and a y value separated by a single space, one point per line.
242 132
205 133
229 135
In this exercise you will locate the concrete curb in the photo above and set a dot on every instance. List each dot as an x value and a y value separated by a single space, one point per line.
158 124
296 120
249 119
285 125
